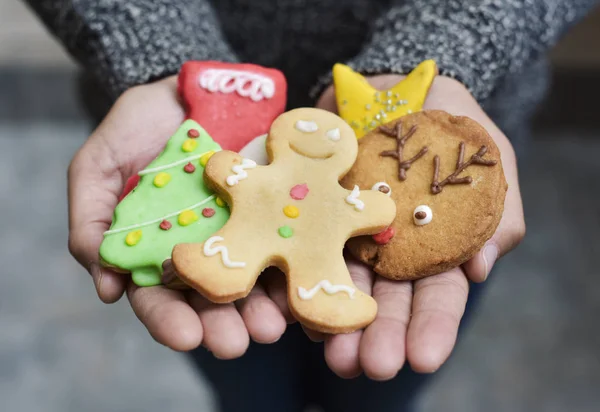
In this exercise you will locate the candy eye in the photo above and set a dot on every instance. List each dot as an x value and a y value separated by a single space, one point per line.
383 188
334 134
307 126
422 215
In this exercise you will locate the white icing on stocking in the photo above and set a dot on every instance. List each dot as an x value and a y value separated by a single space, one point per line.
255 86
327 288
353 199
240 172
209 251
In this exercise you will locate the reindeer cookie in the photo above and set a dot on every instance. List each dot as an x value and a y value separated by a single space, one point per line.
445 175
292 214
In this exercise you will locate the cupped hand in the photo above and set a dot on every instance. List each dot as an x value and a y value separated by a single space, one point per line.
130 137
418 321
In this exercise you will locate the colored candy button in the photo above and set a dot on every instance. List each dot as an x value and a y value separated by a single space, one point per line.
291 211
220 202
286 232
187 217
193 133
165 225
162 179
208 212
299 192
189 145
205 157
133 238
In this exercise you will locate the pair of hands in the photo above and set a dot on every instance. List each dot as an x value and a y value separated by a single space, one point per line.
416 321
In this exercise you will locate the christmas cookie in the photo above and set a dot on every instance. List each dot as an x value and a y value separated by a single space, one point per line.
170 205
292 214
365 108
445 175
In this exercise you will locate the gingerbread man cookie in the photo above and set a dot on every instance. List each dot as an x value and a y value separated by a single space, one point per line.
292 214
366 108
445 175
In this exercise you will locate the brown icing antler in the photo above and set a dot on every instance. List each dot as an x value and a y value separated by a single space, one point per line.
461 165
403 165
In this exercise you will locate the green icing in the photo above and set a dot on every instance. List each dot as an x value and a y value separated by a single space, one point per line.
286 232
148 203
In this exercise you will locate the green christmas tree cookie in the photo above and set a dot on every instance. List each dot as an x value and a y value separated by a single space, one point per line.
170 205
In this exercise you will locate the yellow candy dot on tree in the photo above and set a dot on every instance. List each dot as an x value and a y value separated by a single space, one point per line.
133 238
187 217
291 211
189 145
205 157
220 202
162 179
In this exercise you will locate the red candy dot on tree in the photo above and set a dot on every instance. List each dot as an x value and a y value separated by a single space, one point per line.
384 237
193 133
165 225
189 168
208 212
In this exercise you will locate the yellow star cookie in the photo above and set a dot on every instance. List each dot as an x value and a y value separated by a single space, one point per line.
365 108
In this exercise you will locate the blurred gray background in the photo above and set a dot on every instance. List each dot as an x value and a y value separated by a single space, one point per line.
533 345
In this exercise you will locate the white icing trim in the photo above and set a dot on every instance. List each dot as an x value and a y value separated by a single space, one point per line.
307 126
327 288
170 165
160 219
229 81
210 251
334 134
428 217
240 171
378 185
353 199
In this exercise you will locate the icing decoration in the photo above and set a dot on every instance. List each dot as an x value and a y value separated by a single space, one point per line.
422 215
162 179
353 199
291 211
285 232
328 288
189 168
461 165
334 134
152 210
220 202
187 217
208 212
383 188
189 145
299 192
133 238
193 133
306 126
205 157
365 108
258 232
384 237
240 171
403 165
255 86
210 251
169 165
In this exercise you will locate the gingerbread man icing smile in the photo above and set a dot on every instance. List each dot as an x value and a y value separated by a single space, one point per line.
292 214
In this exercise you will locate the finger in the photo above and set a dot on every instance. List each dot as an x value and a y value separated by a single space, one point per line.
342 351
313 335
274 283
168 317
262 316
438 305
383 345
110 286
225 334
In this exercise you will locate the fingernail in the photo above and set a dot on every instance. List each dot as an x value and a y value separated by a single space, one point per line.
96 273
490 254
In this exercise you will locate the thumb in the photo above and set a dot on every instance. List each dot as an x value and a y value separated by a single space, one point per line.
94 183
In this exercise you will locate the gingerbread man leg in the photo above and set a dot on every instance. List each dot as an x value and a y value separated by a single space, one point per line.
222 268
322 295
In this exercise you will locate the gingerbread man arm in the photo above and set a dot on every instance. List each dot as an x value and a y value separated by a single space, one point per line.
369 211
226 172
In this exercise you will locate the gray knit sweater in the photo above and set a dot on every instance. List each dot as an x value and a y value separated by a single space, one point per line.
494 47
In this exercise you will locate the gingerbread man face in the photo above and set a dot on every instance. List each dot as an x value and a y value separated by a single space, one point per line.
292 214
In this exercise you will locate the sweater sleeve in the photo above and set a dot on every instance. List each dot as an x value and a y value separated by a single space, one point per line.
126 43
477 42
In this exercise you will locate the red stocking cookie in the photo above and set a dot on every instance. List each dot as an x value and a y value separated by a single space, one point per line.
292 214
